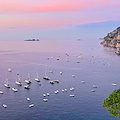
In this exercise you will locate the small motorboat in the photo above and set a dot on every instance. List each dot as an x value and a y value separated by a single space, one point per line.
45 100
44 95
71 89
51 82
39 84
73 76
114 84
28 99
94 86
31 105
57 81
60 73
1 92
14 89
9 70
46 78
4 105
48 94
83 82
92 90
50 71
72 95
65 90
26 87
56 91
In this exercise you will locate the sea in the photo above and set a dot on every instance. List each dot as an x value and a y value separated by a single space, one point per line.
82 63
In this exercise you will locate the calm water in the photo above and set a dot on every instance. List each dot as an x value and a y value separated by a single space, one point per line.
98 66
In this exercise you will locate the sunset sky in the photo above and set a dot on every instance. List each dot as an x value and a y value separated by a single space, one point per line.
57 19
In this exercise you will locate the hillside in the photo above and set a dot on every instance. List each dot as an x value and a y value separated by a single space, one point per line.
113 40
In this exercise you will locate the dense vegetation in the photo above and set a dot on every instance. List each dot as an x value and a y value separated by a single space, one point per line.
112 103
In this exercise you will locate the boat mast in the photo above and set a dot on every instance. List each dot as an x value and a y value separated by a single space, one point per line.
45 69
37 75
28 76
18 76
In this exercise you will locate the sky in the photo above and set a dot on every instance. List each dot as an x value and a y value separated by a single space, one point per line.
58 19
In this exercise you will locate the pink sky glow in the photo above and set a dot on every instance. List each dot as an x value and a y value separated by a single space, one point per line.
28 12
55 14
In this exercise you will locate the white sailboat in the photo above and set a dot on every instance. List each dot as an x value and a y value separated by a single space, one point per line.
7 84
46 77
28 80
18 81
37 77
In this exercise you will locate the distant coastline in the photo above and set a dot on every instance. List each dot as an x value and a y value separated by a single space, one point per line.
32 40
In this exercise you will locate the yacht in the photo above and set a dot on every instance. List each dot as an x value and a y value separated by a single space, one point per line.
18 81
28 80
7 84
14 89
37 78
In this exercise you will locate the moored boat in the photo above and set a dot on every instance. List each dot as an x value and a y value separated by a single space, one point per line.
14 89
18 80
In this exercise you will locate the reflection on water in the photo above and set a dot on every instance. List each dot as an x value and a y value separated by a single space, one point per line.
87 61
112 103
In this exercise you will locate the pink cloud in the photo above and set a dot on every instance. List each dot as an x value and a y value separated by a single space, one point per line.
21 6
54 5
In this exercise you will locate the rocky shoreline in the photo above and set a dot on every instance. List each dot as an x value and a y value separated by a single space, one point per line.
113 40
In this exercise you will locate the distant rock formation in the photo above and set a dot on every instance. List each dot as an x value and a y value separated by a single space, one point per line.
113 40
32 40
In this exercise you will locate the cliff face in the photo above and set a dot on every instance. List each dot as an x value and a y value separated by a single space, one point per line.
113 40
